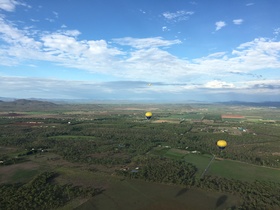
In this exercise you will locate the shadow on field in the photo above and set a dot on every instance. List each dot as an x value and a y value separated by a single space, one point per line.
221 200
181 192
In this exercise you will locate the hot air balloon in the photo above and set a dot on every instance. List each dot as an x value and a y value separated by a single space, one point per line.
148 115
221 144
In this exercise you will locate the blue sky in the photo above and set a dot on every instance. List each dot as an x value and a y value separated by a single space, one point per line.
218 50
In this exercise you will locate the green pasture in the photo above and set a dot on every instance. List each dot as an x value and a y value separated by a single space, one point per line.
82 176
137 194
159 151
71 137
175 153
234 119
39 112
243 171
253 117
254 120
200 161
192 116
212 116
23 175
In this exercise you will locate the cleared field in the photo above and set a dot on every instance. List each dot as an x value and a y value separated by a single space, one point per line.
21 172
192 116
200 161
71 137
176 153
243 171
166 121
231 116
136 194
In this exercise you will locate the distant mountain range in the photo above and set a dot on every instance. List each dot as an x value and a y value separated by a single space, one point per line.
50 104
27 105
264 103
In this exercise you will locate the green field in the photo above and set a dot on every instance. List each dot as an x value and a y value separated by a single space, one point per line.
72 137
243 171
200 161
135 194
23 175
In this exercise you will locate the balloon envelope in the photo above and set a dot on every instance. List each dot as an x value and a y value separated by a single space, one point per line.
221 144
148 115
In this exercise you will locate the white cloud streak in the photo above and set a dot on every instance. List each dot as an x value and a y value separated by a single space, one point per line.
178 15
238 21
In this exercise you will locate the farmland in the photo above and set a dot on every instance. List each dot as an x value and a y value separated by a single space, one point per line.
153 163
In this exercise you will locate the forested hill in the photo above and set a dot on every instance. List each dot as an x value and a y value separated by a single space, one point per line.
27 105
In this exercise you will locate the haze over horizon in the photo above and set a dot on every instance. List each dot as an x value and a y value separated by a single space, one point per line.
160 50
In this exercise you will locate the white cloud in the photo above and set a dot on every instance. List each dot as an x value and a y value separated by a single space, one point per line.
165 28
219 25
238 21
258 54
17 39
178 15
7 5
10 5
218 84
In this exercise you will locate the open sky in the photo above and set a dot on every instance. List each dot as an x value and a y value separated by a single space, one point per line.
153 50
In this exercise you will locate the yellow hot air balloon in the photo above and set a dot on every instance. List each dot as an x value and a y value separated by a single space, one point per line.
148 115
221 144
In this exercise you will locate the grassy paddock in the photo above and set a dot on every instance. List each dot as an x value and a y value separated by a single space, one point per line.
176 153
243 171
23 175
137 194
200 161
71 137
